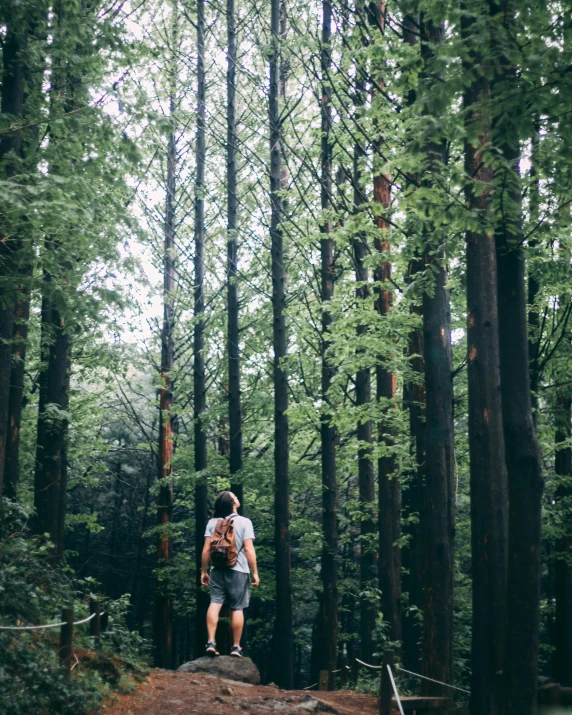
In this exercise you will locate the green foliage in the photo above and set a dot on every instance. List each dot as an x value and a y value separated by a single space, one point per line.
33 591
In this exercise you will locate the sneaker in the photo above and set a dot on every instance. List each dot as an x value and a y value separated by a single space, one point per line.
211 649
236 651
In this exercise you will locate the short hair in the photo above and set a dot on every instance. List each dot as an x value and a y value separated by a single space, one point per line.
223 505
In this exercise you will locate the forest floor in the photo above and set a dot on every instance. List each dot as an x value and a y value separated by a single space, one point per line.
165 692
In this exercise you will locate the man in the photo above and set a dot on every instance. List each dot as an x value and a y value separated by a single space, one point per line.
230 586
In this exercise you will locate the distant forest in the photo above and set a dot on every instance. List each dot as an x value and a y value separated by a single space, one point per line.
318 253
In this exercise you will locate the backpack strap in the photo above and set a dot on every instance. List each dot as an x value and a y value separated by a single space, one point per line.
242 547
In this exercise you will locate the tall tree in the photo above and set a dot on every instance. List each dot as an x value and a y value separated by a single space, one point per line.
234 399
437 514
524 468
389 487
33 99
489 496
11 151
282 642
68 93
199 377
163 623
414 398
366 478
329 560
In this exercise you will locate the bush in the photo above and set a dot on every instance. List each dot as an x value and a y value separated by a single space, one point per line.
33 590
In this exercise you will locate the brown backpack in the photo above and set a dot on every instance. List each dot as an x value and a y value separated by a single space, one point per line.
223 545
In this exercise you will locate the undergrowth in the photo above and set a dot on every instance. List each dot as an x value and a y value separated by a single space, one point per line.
33 591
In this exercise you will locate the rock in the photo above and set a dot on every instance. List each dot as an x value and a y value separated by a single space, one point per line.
227 691
242 670
272 685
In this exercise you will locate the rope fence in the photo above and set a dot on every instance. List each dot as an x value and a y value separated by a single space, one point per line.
388 686
432 680
395 689
97 623
48 625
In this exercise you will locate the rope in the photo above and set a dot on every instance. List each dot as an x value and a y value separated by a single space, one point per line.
367 665
424 677
395 689
48 625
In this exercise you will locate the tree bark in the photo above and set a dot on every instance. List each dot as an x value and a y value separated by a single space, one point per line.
488 478
283 644
533 288
234 397
16 396
389 487
414 394
366 479
24 249
524 468
562 656
437 516
50 473
11 150
163 622
413 556
199 378
326 646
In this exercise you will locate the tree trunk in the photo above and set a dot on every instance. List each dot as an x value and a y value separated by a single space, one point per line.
533 289
366 479
199 378
562 657
163 622
283 645
414 394
413 554
134 589
11 150
524 468
50 474
16 398
437 515
325 647
389 487
489 495
234 399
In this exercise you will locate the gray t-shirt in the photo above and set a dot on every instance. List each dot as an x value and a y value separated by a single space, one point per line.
242 530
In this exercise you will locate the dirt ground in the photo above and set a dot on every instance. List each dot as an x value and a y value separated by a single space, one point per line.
170 693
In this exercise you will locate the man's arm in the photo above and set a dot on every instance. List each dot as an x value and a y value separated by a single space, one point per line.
205 560
251 558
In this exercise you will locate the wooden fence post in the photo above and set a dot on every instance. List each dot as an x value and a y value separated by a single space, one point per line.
354 664
66 636
323 680
104 620
344 672
95 623
385 684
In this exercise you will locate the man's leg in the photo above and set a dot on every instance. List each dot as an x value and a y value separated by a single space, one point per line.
212 619
236 624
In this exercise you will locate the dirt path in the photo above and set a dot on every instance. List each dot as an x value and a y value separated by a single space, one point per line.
170 693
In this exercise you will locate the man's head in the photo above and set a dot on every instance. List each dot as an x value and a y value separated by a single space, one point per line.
225 504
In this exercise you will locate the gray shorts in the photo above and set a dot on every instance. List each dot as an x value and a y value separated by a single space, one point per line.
230 587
